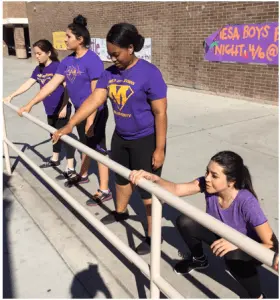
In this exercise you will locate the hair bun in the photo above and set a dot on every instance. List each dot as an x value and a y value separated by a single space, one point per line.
139 43
81 20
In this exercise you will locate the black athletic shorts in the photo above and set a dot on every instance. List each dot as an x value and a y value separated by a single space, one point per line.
98 140
134 155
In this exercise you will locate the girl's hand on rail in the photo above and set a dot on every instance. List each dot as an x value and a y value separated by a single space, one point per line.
8 99
135 176
63 131
27 108
221 247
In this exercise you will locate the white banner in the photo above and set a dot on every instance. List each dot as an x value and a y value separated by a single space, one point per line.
99 47
146 51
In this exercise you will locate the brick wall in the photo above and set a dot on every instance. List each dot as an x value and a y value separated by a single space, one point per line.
178 30
14 9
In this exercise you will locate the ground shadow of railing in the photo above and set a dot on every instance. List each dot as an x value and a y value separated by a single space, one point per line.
217 274
8 291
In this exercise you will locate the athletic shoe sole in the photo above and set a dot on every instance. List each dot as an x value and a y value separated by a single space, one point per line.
95 203
198 268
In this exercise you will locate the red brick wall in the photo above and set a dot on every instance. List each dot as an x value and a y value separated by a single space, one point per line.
178 30
14 9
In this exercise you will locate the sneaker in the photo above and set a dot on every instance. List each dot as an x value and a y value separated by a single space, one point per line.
115 217
75 179
99 198
50 164
187 265
65 175
145 246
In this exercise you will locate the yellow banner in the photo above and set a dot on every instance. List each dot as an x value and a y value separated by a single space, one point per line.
59 40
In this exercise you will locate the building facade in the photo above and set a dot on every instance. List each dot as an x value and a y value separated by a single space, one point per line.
177 31
15 30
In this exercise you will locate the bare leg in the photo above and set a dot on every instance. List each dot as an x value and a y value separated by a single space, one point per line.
70 163
55 156
103 176
148 207
123 193
85 165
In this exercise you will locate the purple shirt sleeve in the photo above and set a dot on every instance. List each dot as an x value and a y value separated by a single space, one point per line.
95 69
252 212
35 73
156 88
102 82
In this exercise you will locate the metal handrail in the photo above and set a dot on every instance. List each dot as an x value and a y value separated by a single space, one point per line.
243 242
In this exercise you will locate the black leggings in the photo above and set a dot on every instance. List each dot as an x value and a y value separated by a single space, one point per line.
58 123
98 141
241 265
135 155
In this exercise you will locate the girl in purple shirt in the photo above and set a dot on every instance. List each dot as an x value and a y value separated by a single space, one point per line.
81 70
138 96
230 198
57 106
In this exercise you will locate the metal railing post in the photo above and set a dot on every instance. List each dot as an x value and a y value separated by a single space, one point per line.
155 246
5 146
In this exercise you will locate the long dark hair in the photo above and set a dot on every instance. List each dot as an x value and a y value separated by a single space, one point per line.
46 46
125 34
235 170
79 29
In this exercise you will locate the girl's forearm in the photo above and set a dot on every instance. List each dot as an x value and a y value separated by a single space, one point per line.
24 87
161 129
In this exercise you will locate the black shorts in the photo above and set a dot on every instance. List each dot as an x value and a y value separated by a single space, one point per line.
134 155
98 140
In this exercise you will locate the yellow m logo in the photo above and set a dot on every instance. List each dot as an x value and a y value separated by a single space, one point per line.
120 94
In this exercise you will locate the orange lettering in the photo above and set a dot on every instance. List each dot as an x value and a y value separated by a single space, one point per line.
227 50
252 32
266 29
230 32
276 34
259 30
245 32
236 34
271 52
220 49
223 35
241 49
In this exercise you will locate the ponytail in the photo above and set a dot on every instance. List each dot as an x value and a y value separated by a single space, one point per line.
235 170
247 181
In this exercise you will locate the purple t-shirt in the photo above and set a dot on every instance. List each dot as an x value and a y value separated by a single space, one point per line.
243 214
54 101
79 73
130 92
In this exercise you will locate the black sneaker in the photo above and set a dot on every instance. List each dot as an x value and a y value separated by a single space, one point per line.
50 164
187 265
75 179
115 217
65 175
145 246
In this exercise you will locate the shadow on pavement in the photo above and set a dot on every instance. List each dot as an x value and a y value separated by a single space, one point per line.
216 271
94 280
7 272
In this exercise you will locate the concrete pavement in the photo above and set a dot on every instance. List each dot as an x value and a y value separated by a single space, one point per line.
199 126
